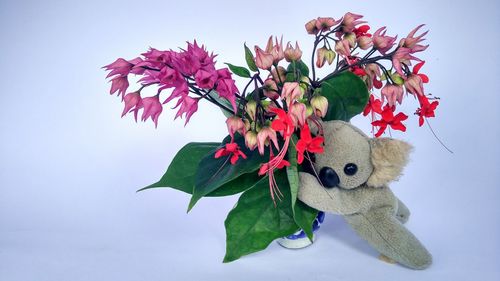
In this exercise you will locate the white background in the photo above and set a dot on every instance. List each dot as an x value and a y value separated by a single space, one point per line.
69 165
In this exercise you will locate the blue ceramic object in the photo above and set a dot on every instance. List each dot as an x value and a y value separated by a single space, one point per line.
299 239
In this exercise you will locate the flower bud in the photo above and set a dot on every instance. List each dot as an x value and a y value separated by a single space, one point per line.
263 60
311 27
309 111
291 91
330 56
342 48
298 114
351 38
235 124
251 109
364 42
398 80
319 105
251 140
292 54
271 89
320 59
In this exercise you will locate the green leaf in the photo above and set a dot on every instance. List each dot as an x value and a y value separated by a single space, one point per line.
240 184
298 67
249 59
213 173
182 170
302 214
347 96
256 221
222 101
239 70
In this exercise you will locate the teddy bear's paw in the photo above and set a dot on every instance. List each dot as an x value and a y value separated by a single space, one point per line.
386 259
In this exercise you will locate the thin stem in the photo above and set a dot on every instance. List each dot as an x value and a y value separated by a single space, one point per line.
437 138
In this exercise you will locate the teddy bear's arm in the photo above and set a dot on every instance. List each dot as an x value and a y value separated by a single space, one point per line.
386 234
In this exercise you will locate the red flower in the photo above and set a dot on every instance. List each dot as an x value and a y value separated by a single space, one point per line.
308 143
426 109
231 149
267 166
416 69
362 31
283 123
374 105
388 119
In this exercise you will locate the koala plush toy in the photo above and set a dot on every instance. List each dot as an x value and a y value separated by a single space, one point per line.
352 177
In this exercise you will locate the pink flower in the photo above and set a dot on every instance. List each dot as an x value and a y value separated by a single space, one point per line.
350 21
265 135
278 74
412 42
120 84
152 108
291 91
180 91
188 106
263 60
205 79
392 93
402 55
231 149
271 89
321 57
343 48
311 27
235 124
414 85
119 67
227 89
381 42
292 54
324 24
168 78
298 114
133 102
223 73
364 42
275 50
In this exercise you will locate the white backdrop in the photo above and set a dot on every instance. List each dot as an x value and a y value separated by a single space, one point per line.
69 165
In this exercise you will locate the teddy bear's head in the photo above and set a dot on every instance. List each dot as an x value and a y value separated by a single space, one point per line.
352 159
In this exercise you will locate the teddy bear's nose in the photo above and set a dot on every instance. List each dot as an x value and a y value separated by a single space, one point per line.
328 177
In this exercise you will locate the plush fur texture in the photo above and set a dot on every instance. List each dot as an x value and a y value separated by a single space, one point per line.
364 198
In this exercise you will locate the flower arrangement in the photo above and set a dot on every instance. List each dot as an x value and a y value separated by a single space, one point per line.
274 121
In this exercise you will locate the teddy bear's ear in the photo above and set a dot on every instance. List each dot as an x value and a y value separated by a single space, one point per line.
388 156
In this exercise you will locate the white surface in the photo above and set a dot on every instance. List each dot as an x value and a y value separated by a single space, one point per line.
69 166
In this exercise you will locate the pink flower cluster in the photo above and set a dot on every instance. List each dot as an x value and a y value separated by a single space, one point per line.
186 72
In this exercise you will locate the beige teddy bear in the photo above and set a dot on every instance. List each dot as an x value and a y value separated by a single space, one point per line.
353 173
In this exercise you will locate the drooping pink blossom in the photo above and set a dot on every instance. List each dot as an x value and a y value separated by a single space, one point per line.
188 106
276 50
311 27
227 89
119 84
382 42
291 91
298 114
235 124
152 109
223 73
402 55
411 42
392 93
324 24
342 47
133 102
264 136
119 67
180 91
271 89
414 85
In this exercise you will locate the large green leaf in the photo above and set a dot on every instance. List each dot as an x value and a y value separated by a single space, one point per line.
302 214
347 96
212 173
182 170
239 70
256 221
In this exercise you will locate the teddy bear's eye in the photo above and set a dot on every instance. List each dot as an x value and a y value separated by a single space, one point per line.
350 169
